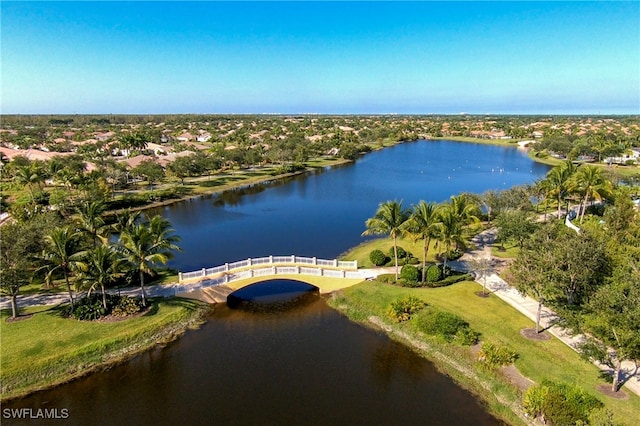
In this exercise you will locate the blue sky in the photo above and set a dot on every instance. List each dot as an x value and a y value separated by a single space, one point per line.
341 58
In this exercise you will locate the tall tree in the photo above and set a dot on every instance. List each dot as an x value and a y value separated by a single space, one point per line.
423 223
100 266
61 253
558 183
593 185
15 266
532 269
450 231
388 220
612 318
90 221
144 246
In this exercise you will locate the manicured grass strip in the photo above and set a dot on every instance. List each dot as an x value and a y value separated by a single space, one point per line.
499 323
45 349
361 252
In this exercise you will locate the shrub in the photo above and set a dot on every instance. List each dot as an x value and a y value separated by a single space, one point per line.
439 323
410 273
496 356
560 403
450 280
433 273
378 258
467 337
386 278
126 306
402 253
86 309
402 309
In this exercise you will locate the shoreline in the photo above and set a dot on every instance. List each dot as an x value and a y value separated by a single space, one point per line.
309 169
146 340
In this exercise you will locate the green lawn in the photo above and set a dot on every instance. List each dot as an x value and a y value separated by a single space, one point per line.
361 252
46 349
510 251
498 323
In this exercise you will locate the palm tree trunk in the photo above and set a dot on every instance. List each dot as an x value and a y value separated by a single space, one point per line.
144 299
395 255
424 259
104 297
66 280
584 208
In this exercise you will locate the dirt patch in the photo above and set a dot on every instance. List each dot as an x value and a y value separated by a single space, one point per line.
531 334
606 390
511 373
483 295
19 318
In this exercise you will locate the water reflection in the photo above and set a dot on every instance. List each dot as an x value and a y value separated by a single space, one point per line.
273 296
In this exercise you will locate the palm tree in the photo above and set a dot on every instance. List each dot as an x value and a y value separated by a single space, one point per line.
29 175
161 230
101 267
450 231
465 209
388 220
145 245
61 254
591 182
125 221
558 183
90 221
424 224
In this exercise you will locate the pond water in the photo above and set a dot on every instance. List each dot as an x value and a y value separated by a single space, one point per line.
323 214
289 359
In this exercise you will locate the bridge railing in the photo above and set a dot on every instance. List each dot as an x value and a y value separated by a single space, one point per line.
250 263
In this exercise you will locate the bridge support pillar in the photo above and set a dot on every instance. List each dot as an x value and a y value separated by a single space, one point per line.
293 258
249 260
204 272
226 267
335 262
314 260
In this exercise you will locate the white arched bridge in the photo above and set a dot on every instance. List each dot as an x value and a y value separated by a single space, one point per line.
218 282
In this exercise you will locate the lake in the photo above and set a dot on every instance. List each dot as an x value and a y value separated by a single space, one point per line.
290 359
323 214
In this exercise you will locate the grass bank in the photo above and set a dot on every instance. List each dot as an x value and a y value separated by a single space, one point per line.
498 323
44 350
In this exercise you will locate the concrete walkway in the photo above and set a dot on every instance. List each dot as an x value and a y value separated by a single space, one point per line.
527 306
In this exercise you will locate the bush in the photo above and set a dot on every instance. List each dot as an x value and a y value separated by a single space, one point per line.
433 273
410 273
467 337
402 253
496 356
402 309
450 280
86 309
386 278
91 308
127 306
440 323
560 403
378 258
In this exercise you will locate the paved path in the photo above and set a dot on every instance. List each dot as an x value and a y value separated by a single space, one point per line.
529 307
